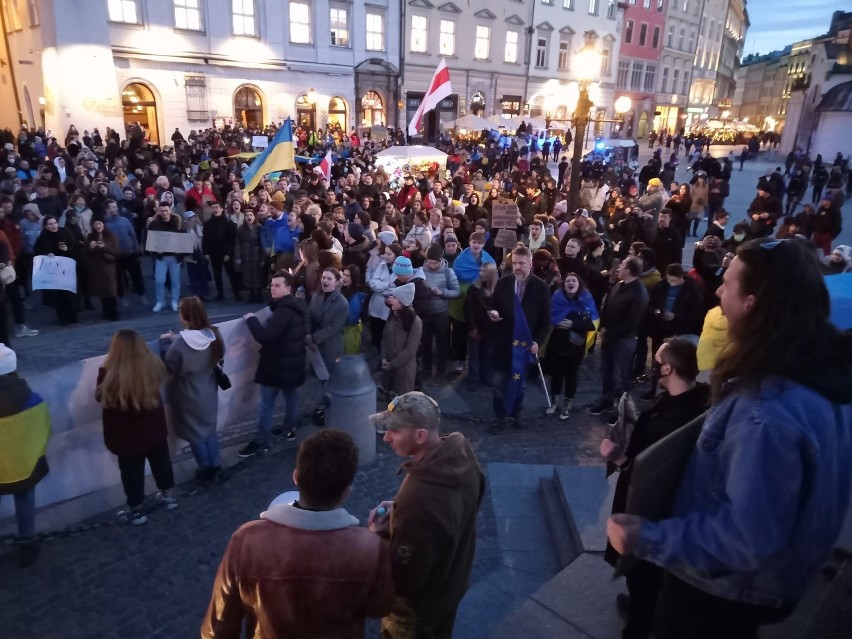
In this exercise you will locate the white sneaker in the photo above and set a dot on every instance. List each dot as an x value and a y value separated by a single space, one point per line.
174 306
157 307
24 331
169 503
458 367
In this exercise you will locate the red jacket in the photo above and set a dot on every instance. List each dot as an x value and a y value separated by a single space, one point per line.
300 574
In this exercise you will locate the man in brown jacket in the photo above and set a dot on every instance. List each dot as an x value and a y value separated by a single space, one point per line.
304 569
431 521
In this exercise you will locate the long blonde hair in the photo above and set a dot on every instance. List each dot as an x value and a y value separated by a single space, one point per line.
133 374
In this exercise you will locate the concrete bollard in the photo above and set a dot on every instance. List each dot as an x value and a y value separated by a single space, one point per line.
352 395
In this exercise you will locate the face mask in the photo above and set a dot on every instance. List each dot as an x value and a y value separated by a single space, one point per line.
739 237
79 208
658 370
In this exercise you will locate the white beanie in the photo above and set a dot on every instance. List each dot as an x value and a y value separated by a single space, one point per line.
404 293
844 251
9 361
387 237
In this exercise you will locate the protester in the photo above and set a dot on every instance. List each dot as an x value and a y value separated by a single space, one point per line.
400 341
134 420
218 241
190 358
327 314
431 522
24 430
166 264
279 573
281 368
762 500
355 296
101 252
58 242
249 258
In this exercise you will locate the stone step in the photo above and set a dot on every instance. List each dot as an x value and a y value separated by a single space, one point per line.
564 534
586 493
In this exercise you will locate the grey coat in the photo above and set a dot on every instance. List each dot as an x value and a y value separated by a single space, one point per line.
399 348
327 316
192 388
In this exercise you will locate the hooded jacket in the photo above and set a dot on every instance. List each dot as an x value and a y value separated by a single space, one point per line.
282 344
767 488
192 388
300 574
444 279
433 528
327 314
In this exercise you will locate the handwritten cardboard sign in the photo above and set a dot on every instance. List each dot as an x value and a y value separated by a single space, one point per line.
504 216
54 274
506 238
168 242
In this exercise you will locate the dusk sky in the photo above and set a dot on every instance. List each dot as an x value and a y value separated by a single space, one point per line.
777 23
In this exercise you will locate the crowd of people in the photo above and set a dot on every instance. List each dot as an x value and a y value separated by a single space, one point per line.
418 264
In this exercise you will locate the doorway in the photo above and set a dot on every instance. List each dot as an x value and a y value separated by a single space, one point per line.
140 109
248 108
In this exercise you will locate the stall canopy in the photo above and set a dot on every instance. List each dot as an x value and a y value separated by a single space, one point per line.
468 122
414 155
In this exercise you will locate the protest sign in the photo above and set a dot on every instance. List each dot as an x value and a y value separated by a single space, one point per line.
168 242
54 273
506 238
504 216
259 141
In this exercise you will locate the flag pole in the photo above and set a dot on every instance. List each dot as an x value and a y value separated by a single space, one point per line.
543 382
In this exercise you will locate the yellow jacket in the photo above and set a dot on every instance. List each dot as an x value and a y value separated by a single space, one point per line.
713 340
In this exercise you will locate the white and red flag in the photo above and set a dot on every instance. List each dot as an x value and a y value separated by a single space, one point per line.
439 89
325 167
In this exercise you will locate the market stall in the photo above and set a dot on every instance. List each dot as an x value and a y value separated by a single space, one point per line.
398 161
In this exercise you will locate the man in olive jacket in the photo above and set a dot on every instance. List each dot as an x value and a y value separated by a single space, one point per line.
282 359
432 520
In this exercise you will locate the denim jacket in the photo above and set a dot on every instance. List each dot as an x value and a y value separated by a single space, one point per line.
764 495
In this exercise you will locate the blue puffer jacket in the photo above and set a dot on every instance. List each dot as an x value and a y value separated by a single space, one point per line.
766 491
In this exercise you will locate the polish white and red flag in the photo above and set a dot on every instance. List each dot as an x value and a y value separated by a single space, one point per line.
439 89
325 167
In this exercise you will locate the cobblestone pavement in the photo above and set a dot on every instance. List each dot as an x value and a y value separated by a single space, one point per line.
155 580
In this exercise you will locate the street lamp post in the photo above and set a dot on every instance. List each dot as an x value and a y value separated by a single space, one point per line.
587 61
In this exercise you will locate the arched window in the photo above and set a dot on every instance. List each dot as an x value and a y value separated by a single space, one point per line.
373 109
477 103
140 111
248 107
306 114
337 113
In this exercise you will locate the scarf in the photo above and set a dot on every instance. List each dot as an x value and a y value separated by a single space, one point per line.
537 244
467 268
561 306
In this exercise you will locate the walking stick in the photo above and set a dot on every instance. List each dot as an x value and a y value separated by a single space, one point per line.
543 382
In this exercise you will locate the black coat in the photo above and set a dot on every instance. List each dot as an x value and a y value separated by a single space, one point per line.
623 310
357 254
688 310
536 306
219 237
668 247
662 419
282 344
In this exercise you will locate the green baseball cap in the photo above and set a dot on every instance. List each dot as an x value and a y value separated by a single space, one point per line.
413 410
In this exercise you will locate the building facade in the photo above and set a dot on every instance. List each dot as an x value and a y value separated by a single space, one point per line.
680 43
759 89
638 70
731 53
702 93
192 64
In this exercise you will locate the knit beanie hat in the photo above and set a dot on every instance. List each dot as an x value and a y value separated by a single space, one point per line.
435 252
450 238
844 251
9 361
402 266
387 237
405 294
356 231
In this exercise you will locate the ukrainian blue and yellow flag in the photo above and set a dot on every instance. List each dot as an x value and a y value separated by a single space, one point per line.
521 359
278 156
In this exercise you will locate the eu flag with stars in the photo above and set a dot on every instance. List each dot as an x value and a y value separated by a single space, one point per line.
521 358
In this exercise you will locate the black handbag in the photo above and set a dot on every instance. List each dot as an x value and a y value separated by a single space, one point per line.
222 379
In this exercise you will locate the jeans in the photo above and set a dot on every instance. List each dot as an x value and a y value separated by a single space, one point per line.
133 472
268 395
206 452
167 264
25 511
616 357
438 327
501 381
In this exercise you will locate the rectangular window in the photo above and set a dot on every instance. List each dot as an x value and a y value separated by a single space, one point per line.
483 43
691 42
646 4
665 84
685 3
675 78
606 61
242 12
670 36
541 53
660 4
656 41
643 34
623 72
339 24
628 32
680 39
650 76
187 15
511 54
375 32
564 55
32 10
568 4
447 42
196 98
546 1
593 7
611 8
636 76
685 82
126 11
300 23
419 33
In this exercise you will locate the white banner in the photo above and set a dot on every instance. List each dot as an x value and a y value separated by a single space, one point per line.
54 273
259 141
169 242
